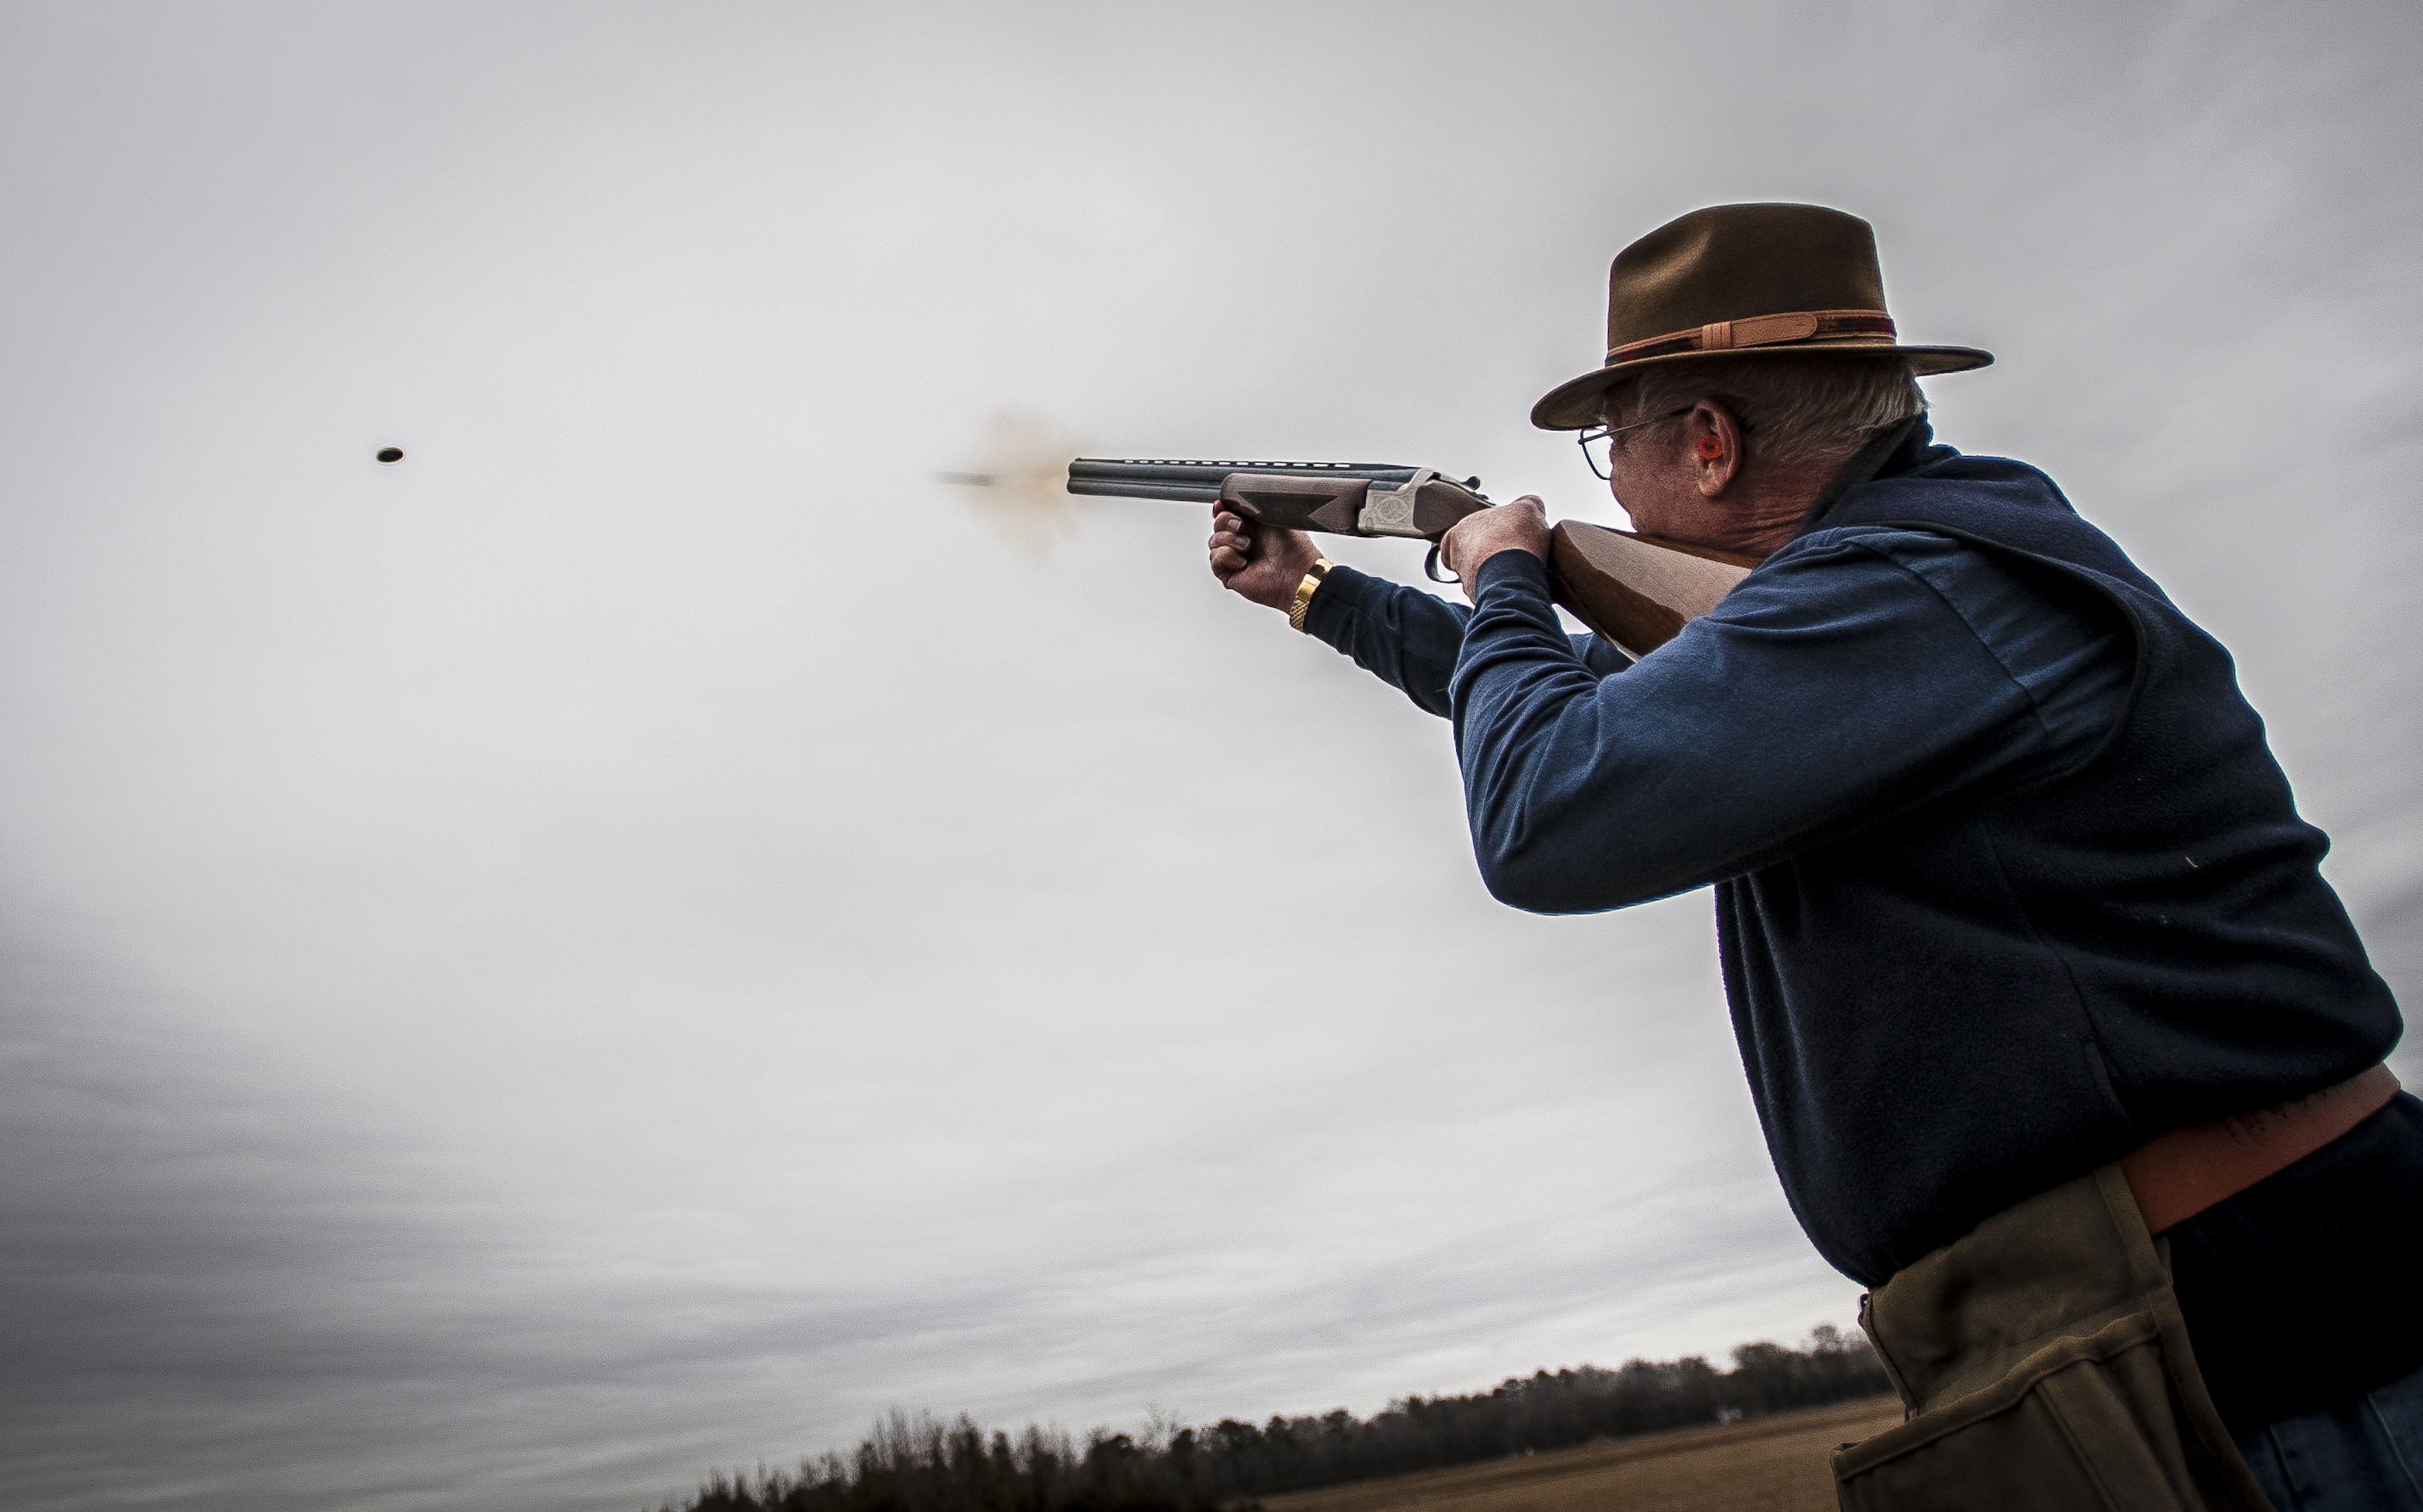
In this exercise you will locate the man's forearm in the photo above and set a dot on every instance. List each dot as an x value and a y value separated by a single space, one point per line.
1587 793
1406 637
1835 689
1516 684
1411 639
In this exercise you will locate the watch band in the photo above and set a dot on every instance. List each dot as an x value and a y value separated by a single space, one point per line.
1303 592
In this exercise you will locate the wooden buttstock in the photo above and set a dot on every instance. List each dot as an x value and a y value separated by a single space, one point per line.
1637 590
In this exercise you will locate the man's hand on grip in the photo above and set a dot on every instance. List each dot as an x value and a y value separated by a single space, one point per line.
1521 525
1263 563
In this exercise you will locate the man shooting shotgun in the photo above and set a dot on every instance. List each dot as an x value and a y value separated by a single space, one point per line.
2061 1044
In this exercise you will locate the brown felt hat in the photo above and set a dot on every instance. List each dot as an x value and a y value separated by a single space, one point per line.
1743 281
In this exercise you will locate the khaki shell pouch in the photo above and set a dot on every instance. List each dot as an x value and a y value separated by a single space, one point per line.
2046 1368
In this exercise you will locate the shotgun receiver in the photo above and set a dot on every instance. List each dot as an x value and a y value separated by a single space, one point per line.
1636 590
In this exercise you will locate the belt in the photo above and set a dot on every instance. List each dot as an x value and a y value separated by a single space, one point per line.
2187 1170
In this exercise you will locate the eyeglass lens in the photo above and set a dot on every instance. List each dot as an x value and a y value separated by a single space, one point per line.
1601 461
1596 445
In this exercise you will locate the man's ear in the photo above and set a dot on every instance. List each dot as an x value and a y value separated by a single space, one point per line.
1716 443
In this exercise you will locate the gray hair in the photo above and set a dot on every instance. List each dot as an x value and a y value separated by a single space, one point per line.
1799 410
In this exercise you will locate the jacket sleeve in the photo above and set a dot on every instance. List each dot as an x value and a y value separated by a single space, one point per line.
1409 638
1833 691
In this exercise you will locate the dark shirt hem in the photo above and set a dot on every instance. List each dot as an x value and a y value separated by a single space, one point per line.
2299 1292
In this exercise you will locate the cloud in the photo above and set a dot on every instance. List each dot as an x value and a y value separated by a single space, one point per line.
222 1293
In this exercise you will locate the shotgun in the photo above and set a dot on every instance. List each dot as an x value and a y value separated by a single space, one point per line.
1635 590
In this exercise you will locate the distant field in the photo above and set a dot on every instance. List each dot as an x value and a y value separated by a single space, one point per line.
1775 1464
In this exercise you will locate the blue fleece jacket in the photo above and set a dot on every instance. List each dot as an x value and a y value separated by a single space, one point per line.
1952 761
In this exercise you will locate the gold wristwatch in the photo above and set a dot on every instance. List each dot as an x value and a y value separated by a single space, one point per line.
1303 592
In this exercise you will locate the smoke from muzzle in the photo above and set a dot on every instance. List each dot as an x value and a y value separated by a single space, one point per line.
1018 482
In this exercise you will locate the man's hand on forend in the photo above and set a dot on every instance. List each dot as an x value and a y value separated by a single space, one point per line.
1263 563
1519 525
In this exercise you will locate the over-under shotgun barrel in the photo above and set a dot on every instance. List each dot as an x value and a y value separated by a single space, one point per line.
1199 483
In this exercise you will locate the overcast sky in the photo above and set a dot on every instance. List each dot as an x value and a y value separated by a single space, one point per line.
652 931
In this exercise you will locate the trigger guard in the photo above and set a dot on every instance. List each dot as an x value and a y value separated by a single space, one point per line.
1431 563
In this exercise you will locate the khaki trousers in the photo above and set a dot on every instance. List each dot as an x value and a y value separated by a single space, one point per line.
2046 1368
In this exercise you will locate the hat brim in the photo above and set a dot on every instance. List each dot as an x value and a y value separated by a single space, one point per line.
1574 406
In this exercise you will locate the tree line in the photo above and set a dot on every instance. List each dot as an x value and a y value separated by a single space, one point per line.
924 1465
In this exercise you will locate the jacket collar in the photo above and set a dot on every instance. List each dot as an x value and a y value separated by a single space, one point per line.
1894 451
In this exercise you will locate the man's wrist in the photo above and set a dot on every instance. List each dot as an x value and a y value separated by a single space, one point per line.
1305 589
1519 560
1503 563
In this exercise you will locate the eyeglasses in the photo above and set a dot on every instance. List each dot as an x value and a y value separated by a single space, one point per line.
1601 460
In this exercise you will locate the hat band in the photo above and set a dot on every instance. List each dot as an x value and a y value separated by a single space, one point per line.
1762 330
